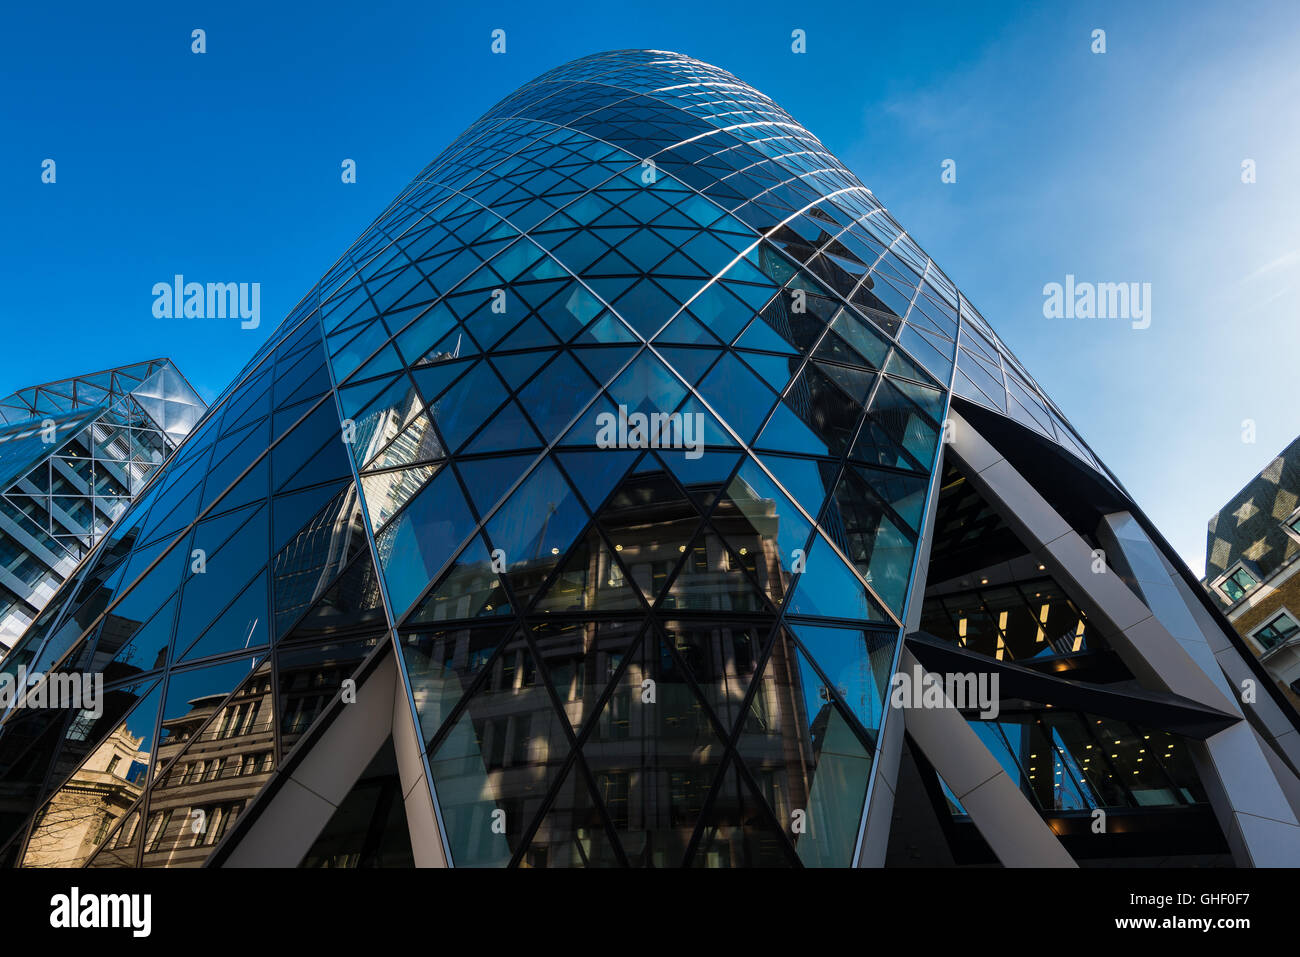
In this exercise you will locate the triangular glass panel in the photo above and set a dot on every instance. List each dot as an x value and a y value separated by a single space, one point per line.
243 625
777 371
420 540
877 543
442 665
516 369
858 663
903 492
535 526
386 492
786 432
721 658
605 330
590 579
690 364
655 753
122 849
700 427
741 398
469 589
460 410
507 430
764 528
488 479
292 512
418 442
119 763
195 712
703 476
502 754
531 334
686 330
347 604
817 797
310 679
573 832
827 589
651 523
593 474
435 379
739 830
135 647
903 421
557 394
807 480
647 386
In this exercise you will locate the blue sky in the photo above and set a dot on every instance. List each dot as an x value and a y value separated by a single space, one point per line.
1118 167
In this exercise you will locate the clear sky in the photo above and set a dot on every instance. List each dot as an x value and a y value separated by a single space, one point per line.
1115 167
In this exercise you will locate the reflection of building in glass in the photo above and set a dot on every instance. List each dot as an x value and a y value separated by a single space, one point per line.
99 794
228 754
73 455
441 624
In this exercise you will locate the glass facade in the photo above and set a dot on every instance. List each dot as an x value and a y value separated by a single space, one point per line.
657 650
73 456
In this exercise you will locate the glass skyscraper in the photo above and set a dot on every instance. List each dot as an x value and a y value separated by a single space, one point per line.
580 516
73 454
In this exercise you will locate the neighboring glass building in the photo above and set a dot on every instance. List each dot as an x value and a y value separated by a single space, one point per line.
73 455
416 591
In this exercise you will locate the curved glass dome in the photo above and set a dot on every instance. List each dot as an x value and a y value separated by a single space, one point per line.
655 645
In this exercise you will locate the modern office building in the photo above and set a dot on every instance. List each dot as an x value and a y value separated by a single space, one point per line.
580 516
73 455
1250 566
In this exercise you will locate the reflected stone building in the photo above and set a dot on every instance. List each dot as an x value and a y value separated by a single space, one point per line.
392 602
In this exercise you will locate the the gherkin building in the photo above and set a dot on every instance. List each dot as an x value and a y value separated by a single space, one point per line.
582 515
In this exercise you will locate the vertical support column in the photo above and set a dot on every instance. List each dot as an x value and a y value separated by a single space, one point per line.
299 801
878 814
421 811
1248 799
1011 825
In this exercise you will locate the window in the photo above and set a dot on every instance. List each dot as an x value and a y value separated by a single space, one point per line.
81 726
1277 630
112 764
157 829
1236 583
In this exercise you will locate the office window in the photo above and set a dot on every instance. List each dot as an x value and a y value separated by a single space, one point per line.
1277 630
1237 583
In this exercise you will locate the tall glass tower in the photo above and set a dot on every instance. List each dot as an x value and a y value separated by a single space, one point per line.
580 516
